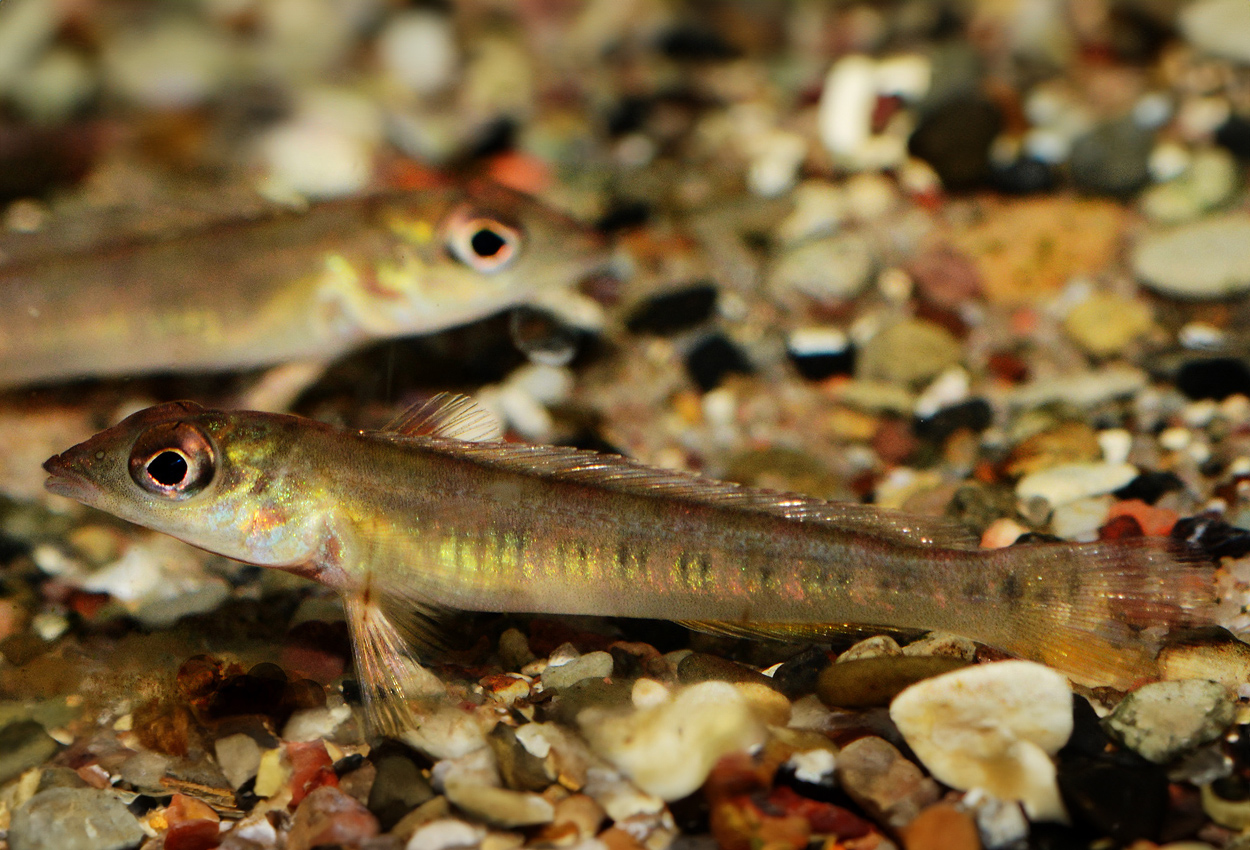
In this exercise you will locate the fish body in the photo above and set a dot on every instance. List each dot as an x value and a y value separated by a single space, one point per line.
418 520
278 285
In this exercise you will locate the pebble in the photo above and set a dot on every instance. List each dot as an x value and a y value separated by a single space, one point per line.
1219 27
418 48
877 646
714 358
24 744
1104 323
909 353
592 665
945 276
1112 159
844 118
57 86
520 768
1202 260
310 724
891 789
955 138
172 65
501 807
239 758
1226 662
306 158
1066 442
820 352
1001 824
1208 182
1083 389
674 310
1119 795
398 788
73 819
829 269
444 834
871 682
991 726
942 827
668 750
193 825
1069 482
328 816
1080 519
1162 720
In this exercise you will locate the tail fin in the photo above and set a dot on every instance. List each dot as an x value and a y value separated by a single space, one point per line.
1097 611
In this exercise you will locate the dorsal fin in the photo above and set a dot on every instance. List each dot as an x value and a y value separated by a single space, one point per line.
448 415
619 474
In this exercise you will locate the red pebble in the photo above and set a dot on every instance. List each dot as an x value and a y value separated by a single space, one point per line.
1123 527
1155 522
311 768
193 825
825 818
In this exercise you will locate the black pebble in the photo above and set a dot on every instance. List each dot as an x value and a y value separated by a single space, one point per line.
797 677
974 414
1024 176
712 359
675 310
623 215
696 43
1235 135
350 689
1212 535
1112 159
815 365
1118 795
1088 737
1036 537
1150 486
1056 836
628 115
955 139
145 803
1214 377
245 799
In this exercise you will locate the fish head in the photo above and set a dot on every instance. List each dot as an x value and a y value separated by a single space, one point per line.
207 477
462 255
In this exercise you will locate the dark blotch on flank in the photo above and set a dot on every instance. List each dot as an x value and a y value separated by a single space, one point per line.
1011 589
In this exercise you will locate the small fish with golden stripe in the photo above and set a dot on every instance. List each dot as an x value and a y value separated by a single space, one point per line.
276 285
435 513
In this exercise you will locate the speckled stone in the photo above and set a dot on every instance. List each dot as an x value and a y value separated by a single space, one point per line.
1162 720
908 353
74 819
892 790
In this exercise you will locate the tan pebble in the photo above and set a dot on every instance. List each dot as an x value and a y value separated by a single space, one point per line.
890 788
873 647
942 827
943 644
1104 323
768 706
1001 532
1027 249
1227 663
428 812
581 812
618 839
1067 442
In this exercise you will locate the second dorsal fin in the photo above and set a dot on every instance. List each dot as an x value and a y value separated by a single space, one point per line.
448 415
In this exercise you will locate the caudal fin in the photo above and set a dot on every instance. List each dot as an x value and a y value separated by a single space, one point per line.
1097 611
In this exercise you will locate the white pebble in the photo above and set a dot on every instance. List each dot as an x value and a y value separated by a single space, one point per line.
173 65
57 85
846 105
49 626
813 765
870 196
821 339
1116 443
1081 519
1175 439
1200 335
895 284
311 724
1168 160
669 750
774 169
992 726
1068 482
1001 823
1198 414
1152 110
1051 146
819 208
1199 117
948 388
907 76
444 834
648 693
1220 27
26 26
419 50
547 384
314 161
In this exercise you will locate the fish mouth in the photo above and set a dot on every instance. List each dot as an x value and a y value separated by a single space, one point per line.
63 480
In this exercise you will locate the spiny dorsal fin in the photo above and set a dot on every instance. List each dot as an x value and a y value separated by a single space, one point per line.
448 415
619 474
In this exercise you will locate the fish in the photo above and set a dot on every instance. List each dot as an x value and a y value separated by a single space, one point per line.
435 514
276 285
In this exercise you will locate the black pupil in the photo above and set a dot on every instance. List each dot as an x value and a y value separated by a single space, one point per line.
487 243
168 468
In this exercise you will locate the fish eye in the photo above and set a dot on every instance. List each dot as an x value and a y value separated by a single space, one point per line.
482 242
173 459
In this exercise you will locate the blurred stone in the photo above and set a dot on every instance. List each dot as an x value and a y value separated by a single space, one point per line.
74 819
891 789
942 827
869 682
1220 27
592 665
328 816
23 745
398 788
1104 323
501 807
1112 159
909 353
955 137
830 269
1203 259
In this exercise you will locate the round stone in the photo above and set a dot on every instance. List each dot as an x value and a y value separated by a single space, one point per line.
1205 259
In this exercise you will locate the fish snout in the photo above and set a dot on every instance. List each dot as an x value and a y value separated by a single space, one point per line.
66 478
